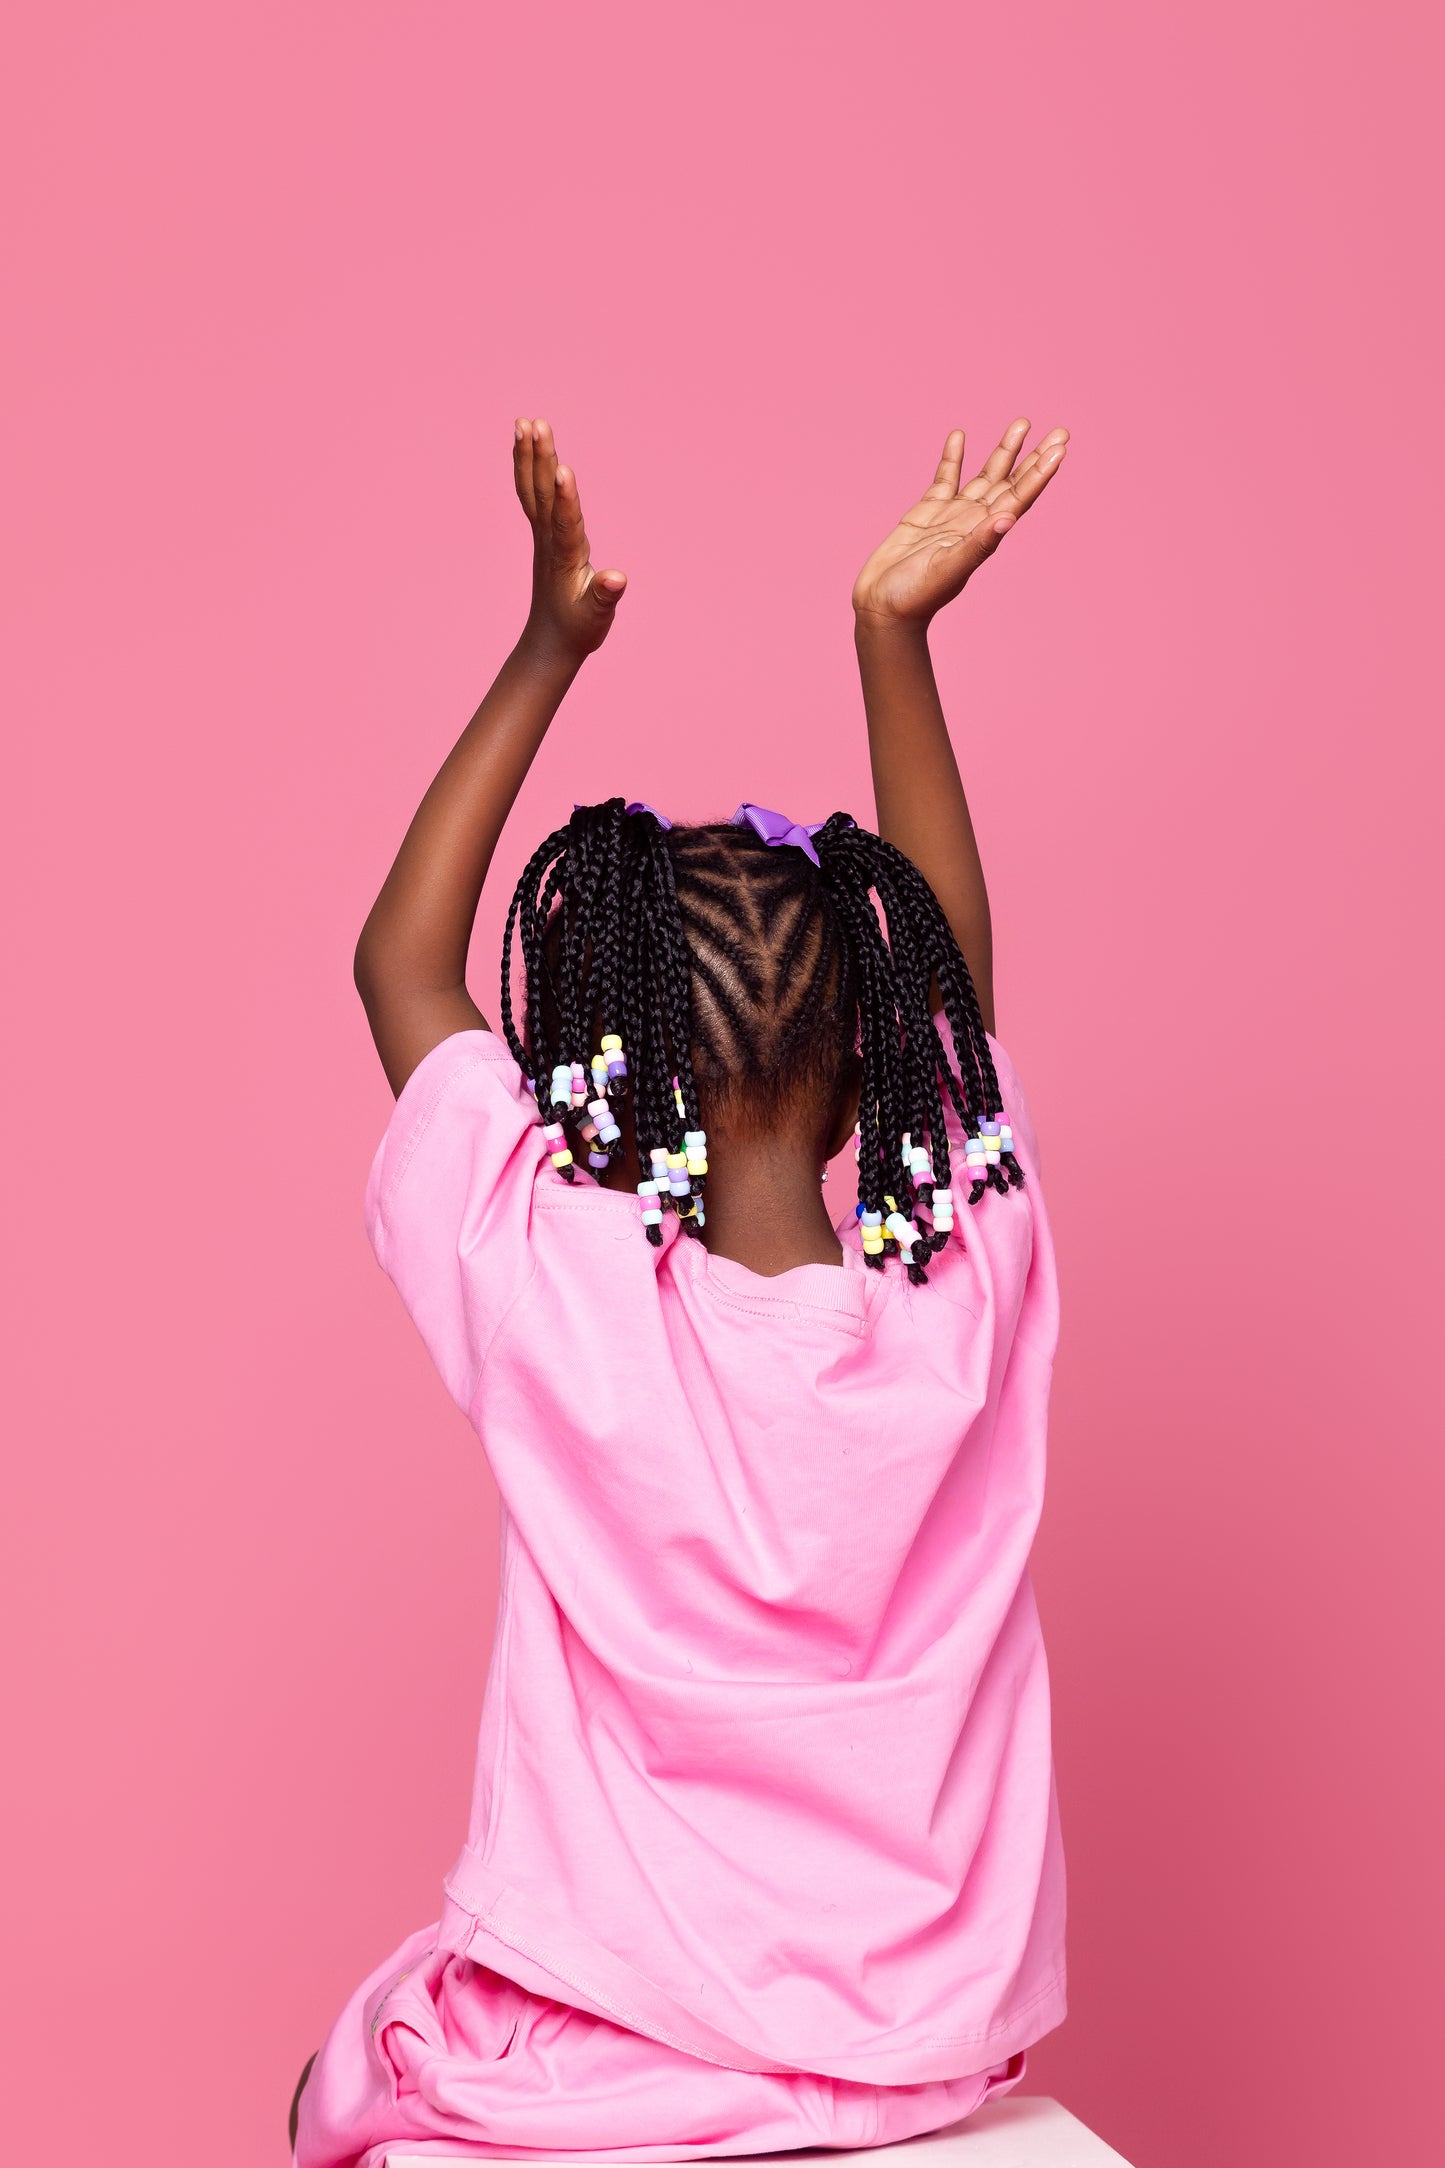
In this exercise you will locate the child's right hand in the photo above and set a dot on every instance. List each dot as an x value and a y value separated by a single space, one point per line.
572 605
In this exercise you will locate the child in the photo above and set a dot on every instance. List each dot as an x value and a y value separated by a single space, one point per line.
764 1851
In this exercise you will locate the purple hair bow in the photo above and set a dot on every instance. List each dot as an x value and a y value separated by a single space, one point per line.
775 828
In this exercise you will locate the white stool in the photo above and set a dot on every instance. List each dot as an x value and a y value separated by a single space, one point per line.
1011 2133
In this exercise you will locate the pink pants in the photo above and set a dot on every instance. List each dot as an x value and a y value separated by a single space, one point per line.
435 2054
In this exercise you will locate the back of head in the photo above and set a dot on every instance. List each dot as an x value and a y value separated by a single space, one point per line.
773 1017
742 981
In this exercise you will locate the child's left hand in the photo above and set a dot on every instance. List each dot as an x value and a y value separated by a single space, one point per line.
950 531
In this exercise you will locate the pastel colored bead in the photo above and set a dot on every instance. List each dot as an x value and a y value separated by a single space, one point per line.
651 1209
870 1219
562 1084
597 1161
691 1137
900 1229
599 1073
562 1159
552 1130
611 1044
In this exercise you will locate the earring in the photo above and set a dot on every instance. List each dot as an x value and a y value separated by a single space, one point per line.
824 1175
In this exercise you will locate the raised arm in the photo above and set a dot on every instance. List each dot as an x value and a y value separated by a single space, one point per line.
920 566
411 959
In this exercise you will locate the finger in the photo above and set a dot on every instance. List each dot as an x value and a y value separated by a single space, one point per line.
1009 500
1000 460
568 533
522 466
950 466
544 468
1025 487
607 587
1044 445
1025 466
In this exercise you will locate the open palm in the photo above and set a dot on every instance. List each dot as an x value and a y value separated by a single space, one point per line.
946 536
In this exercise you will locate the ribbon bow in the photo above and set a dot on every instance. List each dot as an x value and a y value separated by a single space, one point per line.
640 805
776 828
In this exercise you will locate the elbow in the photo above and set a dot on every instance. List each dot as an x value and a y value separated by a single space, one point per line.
366 968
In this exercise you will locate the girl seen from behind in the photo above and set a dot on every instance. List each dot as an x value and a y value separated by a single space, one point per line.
764 1849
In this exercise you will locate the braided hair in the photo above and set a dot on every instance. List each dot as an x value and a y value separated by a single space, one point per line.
712 971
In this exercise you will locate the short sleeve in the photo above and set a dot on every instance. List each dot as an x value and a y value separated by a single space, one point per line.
1011 1091
449 1199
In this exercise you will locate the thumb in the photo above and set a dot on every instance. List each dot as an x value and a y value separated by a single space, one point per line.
608 587
985 538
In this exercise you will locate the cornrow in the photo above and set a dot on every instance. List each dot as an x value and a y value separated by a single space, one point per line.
707 967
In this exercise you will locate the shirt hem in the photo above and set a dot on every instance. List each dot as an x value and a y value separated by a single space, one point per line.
485 1919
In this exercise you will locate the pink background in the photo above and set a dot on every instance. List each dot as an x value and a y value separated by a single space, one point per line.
282 277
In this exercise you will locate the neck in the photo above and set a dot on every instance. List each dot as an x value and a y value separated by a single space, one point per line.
765 1206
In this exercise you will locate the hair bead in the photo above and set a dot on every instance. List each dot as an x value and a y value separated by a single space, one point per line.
903 1232
556 1137
601 1112
651 1210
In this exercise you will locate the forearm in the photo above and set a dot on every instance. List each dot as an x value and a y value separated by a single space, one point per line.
412 955
917 788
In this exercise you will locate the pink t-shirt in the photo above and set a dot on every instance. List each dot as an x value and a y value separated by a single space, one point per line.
764 1767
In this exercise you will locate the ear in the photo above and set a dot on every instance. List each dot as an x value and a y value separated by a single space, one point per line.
843 1119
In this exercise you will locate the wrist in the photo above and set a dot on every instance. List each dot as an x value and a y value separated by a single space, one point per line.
544 649
880 629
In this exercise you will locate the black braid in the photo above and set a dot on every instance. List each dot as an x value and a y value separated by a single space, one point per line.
522 895
741 975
